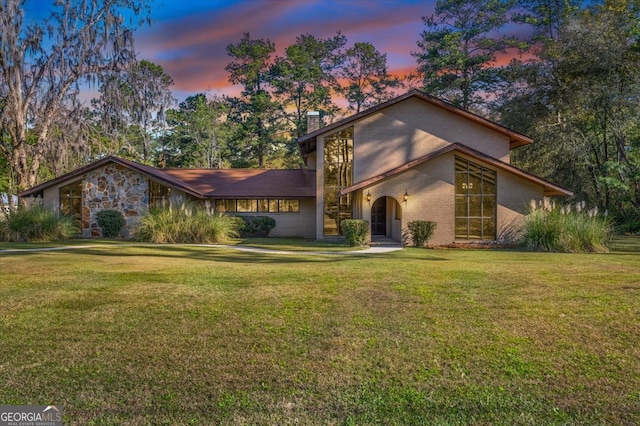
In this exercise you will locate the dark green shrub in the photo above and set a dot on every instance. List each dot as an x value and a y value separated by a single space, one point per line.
420 232
189 223
37 224
110 222
355 231
257 226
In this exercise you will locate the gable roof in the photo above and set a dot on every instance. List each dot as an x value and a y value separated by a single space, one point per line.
205 183
550 189
307 143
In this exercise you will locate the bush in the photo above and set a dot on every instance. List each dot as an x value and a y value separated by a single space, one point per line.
420 232
189 223
565 229
111 222
355 231
37 224
256 226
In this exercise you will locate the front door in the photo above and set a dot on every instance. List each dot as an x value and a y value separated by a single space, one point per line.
379 217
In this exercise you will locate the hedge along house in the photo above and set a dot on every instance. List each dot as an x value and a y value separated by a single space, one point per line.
412 158
416 157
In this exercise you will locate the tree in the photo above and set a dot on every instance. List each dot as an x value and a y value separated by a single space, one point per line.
132 105
366 81
458 51
257 118
304 77
198 133
581 99
43 63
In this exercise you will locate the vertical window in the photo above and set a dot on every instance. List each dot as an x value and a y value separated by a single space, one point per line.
475 201
158 194
71 198
338 174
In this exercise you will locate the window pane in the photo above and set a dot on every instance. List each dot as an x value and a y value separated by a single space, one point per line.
263 205
231 206
475 184
461 207
489 182
475 229
245 206
330 174
475 206
461 228
489 206
221 205
273 206
488 229
461 183
294 206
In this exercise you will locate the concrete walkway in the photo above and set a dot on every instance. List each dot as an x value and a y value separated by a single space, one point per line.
374 249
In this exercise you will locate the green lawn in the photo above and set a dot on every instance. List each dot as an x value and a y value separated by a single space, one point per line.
201 335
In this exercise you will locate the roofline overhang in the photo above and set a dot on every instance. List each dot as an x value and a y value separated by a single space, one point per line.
99 163
307 143
550 189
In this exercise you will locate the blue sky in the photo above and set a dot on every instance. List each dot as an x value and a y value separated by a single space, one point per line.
188 38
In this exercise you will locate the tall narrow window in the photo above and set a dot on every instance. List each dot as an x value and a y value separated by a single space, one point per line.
71 198
158 194
338 174
475 201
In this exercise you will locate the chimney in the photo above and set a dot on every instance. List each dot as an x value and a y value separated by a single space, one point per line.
313 121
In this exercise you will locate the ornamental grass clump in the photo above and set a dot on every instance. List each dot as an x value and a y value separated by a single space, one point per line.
188 223
38 224
567 229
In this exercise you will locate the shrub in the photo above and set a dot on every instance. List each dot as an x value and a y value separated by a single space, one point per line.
189 223
111 222
257 226
565 229
37 224
420 232
355 231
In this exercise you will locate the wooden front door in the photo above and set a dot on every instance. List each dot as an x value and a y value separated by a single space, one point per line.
379 217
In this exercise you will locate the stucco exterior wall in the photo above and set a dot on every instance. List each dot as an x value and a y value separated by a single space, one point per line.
514 200
411 129
431 190
301 224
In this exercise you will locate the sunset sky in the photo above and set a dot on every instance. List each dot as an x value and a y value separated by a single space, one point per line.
189 37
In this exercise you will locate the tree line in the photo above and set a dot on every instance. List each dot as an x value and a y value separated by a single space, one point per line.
571 82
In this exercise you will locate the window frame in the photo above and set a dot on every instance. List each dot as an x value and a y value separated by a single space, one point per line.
476 207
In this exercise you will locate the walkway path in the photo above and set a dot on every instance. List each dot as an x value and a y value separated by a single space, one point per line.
381 248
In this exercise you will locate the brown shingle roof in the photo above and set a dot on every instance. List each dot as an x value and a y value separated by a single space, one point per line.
205 183
239 183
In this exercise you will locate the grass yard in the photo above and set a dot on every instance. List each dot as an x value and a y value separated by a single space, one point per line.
200 335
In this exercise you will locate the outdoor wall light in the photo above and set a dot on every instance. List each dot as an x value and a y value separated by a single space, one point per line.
406 196
368 196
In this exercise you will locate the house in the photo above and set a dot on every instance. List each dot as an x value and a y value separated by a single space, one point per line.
414 157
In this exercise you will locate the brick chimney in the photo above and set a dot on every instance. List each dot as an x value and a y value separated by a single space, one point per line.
313 121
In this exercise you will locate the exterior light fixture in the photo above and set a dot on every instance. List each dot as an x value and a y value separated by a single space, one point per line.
406 196
368 196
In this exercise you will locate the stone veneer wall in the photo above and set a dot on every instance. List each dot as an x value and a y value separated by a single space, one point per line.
113 187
